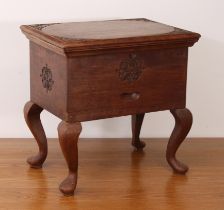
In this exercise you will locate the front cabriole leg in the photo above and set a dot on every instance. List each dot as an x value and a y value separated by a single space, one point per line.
68 137
183 121
32 116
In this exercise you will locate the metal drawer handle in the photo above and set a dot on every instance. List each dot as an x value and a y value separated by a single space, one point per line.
130 96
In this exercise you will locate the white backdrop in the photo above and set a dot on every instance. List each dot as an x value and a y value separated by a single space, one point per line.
205 95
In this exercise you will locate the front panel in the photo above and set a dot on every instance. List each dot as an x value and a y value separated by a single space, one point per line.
123 83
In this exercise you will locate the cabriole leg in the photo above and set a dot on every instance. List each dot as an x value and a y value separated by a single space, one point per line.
137 120
32 116
68 137
183 121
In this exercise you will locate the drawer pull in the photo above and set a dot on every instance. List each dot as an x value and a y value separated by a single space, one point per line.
130 96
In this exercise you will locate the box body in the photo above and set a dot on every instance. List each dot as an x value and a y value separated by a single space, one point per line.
108 84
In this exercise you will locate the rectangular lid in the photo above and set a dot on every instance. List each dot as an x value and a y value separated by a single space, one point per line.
110 34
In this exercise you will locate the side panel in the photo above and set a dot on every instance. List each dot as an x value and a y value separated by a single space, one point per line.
48 80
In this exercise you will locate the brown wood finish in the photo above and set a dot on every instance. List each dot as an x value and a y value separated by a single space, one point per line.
94 70
165 36
32 117
68 137
98 91
136 122
110 29
54 100
183 121
91 97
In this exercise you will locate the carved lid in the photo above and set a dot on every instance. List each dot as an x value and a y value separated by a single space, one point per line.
95 35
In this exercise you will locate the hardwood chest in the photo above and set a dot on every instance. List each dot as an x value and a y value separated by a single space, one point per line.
83 71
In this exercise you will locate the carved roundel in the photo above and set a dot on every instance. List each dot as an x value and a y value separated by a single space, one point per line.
47 78
130 69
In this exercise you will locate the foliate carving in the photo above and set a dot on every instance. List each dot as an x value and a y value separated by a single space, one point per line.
130 69
42 26
47 78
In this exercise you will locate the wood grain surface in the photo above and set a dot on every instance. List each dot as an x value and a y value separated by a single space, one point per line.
89 87
114 176
107 29
96 91
66 38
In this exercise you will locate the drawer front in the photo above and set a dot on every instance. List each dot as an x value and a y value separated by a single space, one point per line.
124 83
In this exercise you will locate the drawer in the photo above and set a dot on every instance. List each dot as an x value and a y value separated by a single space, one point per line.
123 83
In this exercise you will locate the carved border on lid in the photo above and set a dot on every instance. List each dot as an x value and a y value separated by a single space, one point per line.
40 27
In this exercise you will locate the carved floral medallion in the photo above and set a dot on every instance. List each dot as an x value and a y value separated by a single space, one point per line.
130 69
47 78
